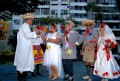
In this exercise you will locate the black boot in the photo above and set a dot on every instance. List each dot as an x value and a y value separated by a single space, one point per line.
37 70
91 72
19 76
24 74
88 69
33 74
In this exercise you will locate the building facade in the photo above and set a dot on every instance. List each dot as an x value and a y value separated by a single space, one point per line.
75 9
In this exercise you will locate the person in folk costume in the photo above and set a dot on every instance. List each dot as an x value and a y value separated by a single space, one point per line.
52 57
24 59
38 53
90 37
69 41
105 65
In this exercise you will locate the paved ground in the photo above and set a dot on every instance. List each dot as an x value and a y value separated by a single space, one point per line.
8 73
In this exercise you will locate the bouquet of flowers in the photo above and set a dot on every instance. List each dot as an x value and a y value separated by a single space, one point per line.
109 44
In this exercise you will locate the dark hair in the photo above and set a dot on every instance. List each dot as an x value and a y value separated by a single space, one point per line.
37 27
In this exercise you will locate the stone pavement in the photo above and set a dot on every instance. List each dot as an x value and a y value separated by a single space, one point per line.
8 73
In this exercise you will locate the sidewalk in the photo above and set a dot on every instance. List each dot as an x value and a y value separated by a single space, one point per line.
8 73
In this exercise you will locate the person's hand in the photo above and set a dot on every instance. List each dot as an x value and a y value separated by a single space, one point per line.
49 40
37 31
73 44
81 52
38 36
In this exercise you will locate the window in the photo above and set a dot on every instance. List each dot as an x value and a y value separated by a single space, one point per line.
46 2
17 22
63 12
64 0
37 11
117 33
80 0
44 11
79 8
54 12
54 0
78 15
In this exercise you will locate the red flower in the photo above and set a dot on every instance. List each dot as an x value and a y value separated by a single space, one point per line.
119 72
96 72
105 74
84 34
91 41
112 45
115 73
108 41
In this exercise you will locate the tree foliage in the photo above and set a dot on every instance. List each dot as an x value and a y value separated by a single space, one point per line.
19 6
50 19
96 10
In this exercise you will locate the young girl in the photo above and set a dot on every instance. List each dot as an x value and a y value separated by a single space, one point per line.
38 53
105 64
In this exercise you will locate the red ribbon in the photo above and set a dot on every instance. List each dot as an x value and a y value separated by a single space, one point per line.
107 52
66 34
115 73
87 32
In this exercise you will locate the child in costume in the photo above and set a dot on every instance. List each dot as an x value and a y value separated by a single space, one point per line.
38 53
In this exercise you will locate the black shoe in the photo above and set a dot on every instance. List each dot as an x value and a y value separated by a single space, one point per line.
33 74
37 73
66 78
19 76
24 74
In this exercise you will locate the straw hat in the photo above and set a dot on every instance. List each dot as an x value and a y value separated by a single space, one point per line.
28 16
88 22
70 23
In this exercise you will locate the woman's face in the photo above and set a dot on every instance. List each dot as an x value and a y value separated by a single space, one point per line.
53 29
67 27
102 30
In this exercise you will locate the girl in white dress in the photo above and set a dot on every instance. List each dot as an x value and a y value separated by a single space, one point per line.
105 65
52 58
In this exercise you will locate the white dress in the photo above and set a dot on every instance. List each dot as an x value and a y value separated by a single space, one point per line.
52 56
103 67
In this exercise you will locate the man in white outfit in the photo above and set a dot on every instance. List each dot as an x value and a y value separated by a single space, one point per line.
24 59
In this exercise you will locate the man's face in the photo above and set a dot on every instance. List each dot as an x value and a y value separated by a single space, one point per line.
88 26
30 21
